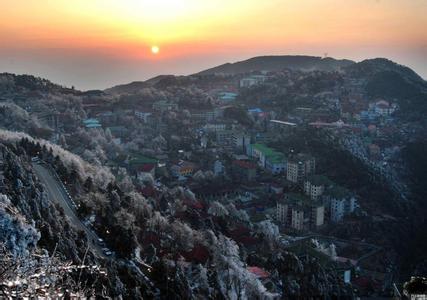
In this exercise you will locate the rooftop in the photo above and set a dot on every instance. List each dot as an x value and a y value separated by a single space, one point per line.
92 123
255 110
258 272
273 155
141 159
300 157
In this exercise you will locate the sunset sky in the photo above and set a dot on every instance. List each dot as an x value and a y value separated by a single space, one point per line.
99 43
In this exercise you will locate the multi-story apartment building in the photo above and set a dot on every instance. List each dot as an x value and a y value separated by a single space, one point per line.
203 116
282 212
276 164
299 166
298 212
241 141
299 219
267 158
317 215
341 202
225 137
314 186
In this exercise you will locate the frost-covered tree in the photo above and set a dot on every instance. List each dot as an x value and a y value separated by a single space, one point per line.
268 229
18 236
183 235
240 215
40 275
158 223
125 219
147 179
125 182
140 207
234 280
217 209
108 135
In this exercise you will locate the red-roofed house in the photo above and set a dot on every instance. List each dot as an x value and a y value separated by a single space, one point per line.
146 169
258 272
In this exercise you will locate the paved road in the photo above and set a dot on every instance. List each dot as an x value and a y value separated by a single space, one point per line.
56 194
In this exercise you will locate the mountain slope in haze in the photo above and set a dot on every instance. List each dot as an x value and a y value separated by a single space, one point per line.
136 86
278 63
370 67
389 80
13 83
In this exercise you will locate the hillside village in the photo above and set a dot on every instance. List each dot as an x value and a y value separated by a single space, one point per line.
296 161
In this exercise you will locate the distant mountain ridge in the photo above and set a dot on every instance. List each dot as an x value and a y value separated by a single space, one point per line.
28 83
278 63
136 86
387 79
371 67
260 63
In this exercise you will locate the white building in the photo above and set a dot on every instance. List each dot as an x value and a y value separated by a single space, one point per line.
298 218
299 212
299 166
282 212
342 203
314 186
241 141
317 215
384 108
214 127
252 80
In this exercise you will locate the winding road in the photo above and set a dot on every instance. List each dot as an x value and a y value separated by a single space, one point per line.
57 195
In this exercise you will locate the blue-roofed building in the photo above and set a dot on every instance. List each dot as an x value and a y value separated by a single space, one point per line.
255 110
92 123
227 97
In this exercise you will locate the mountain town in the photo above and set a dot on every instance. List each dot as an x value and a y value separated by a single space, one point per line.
271 178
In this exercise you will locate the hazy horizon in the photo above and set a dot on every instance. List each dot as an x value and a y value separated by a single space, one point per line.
99 44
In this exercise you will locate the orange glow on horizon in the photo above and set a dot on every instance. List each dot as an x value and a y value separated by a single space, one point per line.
212 31
108 23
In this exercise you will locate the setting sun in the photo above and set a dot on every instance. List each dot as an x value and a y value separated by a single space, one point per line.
155 49
190 35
